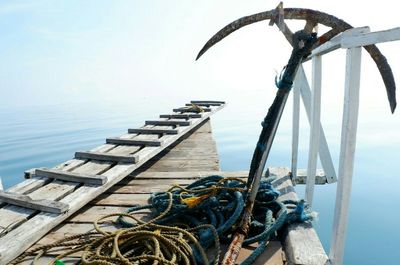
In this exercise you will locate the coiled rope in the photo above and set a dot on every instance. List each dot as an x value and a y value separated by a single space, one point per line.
187 223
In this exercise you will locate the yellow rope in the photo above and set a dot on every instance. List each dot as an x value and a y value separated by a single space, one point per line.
144 242
194 200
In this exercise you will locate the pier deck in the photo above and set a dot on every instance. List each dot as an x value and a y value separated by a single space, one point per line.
191 157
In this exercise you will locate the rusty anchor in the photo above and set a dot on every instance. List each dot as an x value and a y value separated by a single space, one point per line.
303 42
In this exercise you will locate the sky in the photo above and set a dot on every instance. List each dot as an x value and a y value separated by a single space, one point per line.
88 51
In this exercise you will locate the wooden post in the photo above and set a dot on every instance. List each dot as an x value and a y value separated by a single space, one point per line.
315 127
295 125
324 154
347 151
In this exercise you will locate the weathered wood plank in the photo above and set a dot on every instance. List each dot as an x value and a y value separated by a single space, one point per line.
106 157
273 254
91 213
315 127
12 215
184 165
134 142
295 123
365 39
180 116
205 104
320 177
347 153
45 260
70 176
71 229
26 202
207 101
128 150
336 42
153 131
147 186
168 122
181 110
301 243
121 199
324 153
182 175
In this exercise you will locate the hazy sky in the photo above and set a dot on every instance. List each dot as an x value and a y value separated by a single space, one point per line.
63 52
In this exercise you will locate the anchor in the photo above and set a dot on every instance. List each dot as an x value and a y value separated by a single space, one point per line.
303 42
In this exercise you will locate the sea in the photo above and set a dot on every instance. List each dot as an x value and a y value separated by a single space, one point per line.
46 135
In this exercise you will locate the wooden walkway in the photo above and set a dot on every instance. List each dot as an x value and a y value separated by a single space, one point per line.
193 156
35 206
189 159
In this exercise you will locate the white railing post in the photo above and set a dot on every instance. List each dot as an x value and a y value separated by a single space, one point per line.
315 127
1 184
324 154
295 125
347 151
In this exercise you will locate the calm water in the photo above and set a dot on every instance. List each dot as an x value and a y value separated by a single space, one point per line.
47 135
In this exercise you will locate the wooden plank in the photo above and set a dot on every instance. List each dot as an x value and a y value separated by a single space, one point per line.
347 152
106 157
147 186
324 153
19 239
137 175
181 110
45 260
168 122
134 142
62 231
337 41
272 255
180 116
153 131
201 154
315 127
91 213
128 150
207 101
203 104
300 240
12 216
121 199
184 165
320 177
295 124
370 38
70 176
27 202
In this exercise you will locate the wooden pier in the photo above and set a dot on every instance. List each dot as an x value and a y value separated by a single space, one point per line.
189 157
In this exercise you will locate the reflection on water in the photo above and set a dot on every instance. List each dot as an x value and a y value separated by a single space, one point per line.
47 136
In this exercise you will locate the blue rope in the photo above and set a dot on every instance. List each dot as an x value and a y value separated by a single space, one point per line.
222 206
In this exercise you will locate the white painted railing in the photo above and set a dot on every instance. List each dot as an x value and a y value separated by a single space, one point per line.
352 40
